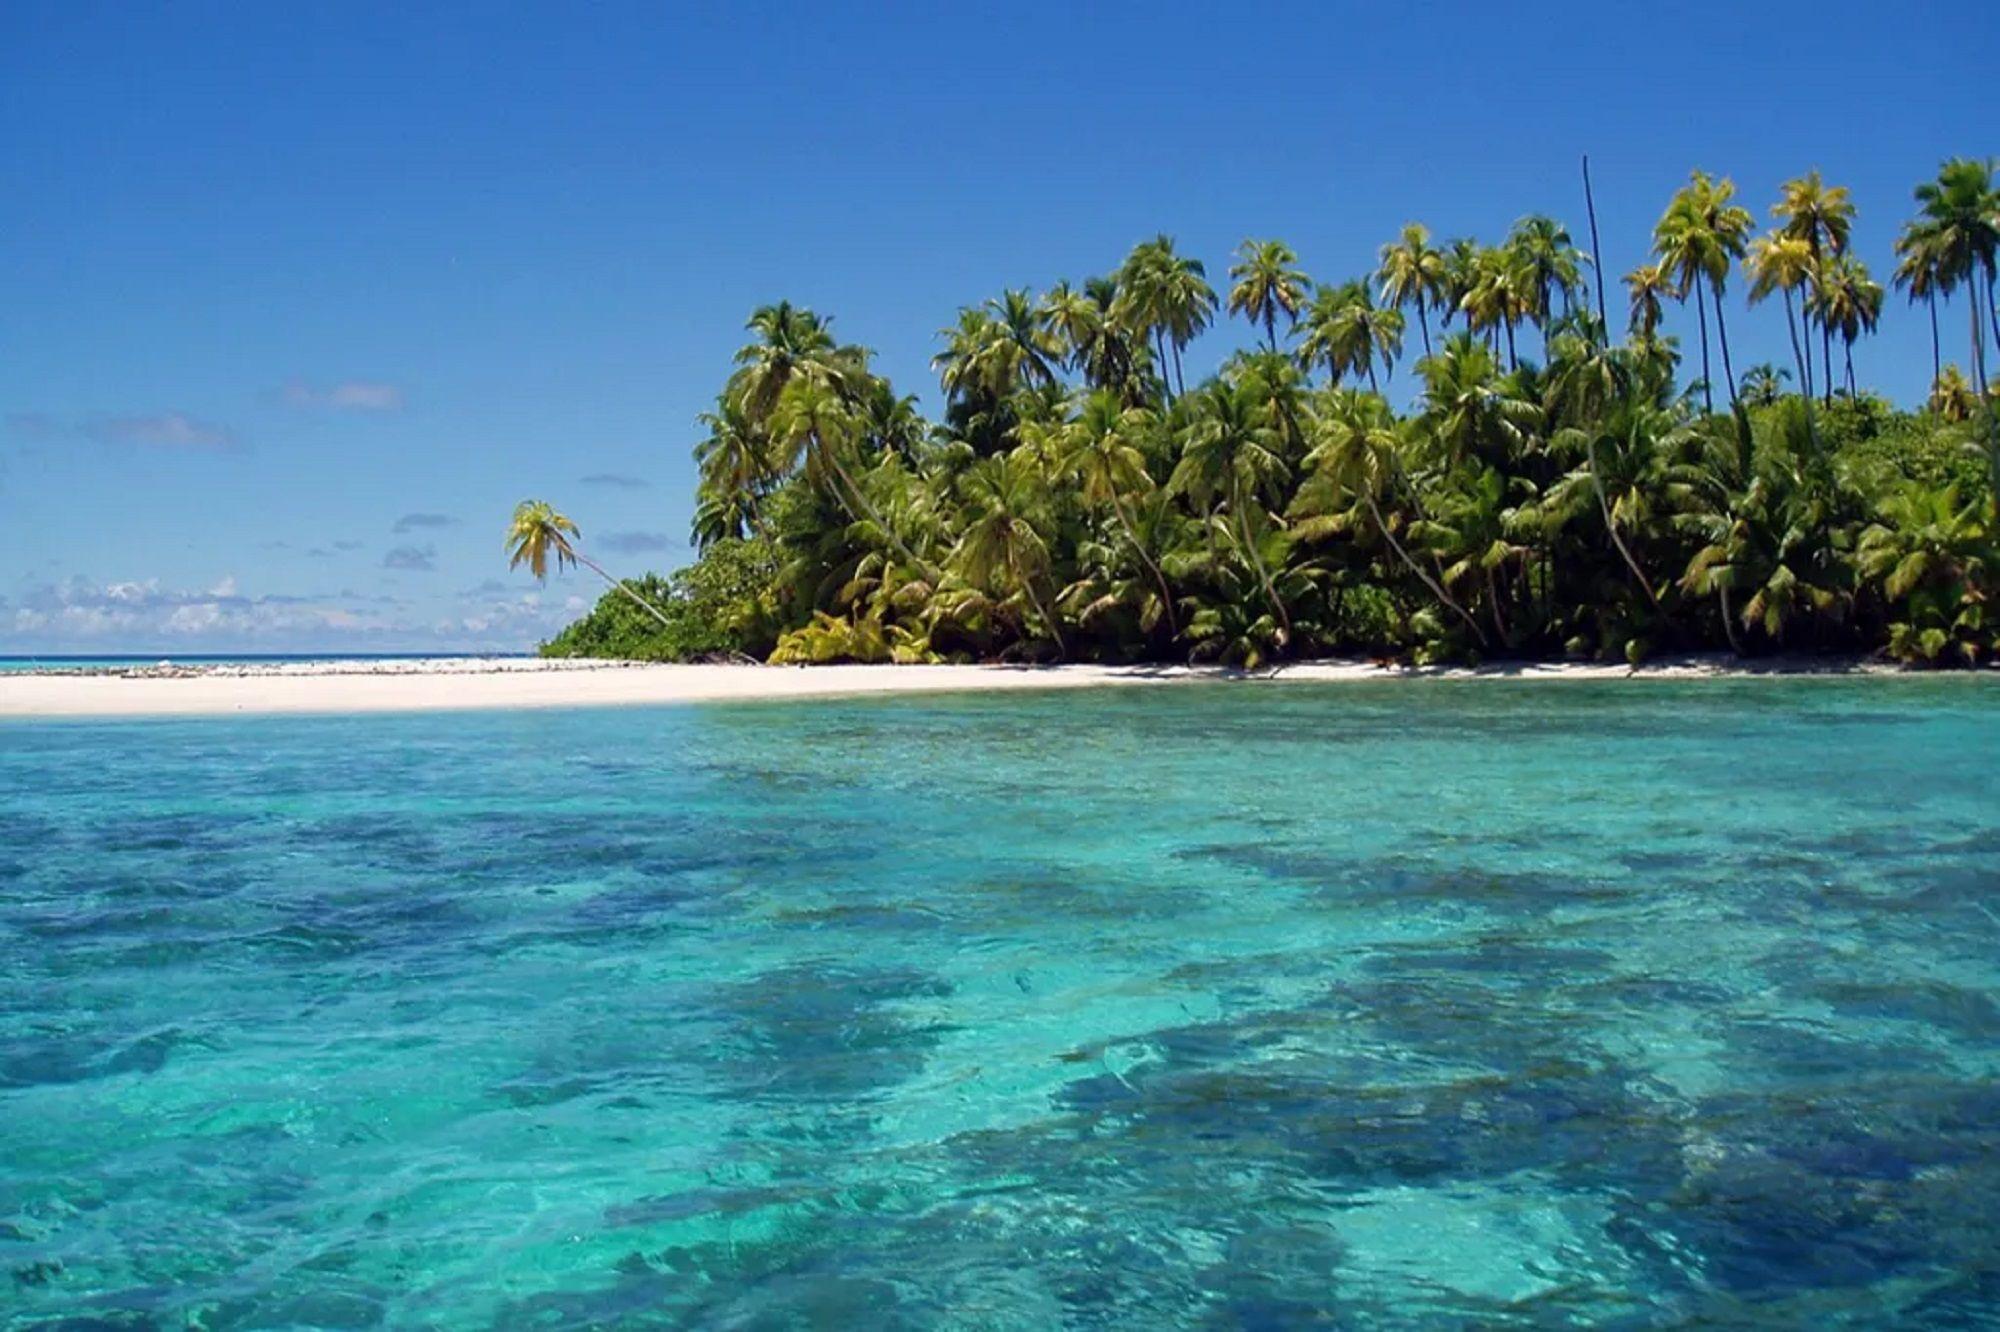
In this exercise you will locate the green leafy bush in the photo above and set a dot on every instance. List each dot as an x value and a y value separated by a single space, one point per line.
719 606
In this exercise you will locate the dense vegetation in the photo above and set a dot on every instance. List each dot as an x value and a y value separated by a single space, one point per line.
1551 491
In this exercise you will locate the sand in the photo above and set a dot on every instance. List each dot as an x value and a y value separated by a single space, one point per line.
459 684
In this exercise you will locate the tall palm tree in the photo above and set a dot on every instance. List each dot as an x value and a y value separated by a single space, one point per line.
1650 287
1697 239
1268 284
791 341
1822 216
1917 274
1553 266
1785 264
1412 273
1165 296
1850 303
1961 220
735 467
538 534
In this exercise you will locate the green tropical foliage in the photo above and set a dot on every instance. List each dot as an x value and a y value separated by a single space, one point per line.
1538 488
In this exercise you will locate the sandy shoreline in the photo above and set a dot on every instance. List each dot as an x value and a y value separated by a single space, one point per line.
460 684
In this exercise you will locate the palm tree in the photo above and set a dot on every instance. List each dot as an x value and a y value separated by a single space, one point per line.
1785 264
1003 545
734 463
1268 284
1822 216
1166 296
1357 454
1412 273
1101 449
1764 384
1850 303
1917 274
1348 332
811 427
791 341
1952 395
1553 266
538 533
1961 224
1650 286
1231 455
1697 239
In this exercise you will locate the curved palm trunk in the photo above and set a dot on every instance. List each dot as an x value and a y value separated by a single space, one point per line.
1437 590
1493 597
1596 248
868 511
622 586
1146 558
1729 620
1424 325
1257 563
1604 507
1722 336
1028 586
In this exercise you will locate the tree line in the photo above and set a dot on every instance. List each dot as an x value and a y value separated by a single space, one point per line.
1552 490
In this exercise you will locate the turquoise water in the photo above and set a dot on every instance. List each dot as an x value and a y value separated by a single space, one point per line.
126 661
1487 1003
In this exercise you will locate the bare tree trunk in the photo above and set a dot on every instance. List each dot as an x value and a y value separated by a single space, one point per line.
1722 335
1596 252
1707 382
622 586
1145 557
1375 512
1729 621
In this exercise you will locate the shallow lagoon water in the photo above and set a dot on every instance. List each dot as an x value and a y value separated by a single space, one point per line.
1637 1004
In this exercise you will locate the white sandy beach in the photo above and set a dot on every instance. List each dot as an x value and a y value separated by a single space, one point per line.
460 684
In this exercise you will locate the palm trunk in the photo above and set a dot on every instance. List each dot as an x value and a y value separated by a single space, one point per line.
1513 361
1493 595
1424 325
1604 507
1729 620
1804 362
1371 377
1826 360
1937 356
1180 379
1722 336
1596 249
1375 512
1028 586
1847 352
1257 563
1146 558
1707 382
1271 329
867 510
622 586
1166 384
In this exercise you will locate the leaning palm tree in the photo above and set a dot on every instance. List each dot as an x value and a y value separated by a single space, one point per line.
1268 284
538 534
1412 273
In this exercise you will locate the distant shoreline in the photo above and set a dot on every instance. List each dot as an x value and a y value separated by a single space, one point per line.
470 684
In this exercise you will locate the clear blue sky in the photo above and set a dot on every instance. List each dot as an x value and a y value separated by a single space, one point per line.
300 299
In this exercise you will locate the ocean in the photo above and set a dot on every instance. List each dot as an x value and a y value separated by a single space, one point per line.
1417 1003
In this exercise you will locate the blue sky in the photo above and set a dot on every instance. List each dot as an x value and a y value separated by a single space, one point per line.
300 299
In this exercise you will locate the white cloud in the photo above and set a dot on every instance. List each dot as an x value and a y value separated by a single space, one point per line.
349 395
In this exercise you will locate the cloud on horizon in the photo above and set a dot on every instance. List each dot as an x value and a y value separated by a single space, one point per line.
349 395
616 480
412 559
634 543
143 616
155 430
416 522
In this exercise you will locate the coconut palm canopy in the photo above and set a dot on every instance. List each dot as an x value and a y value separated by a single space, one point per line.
1530 475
